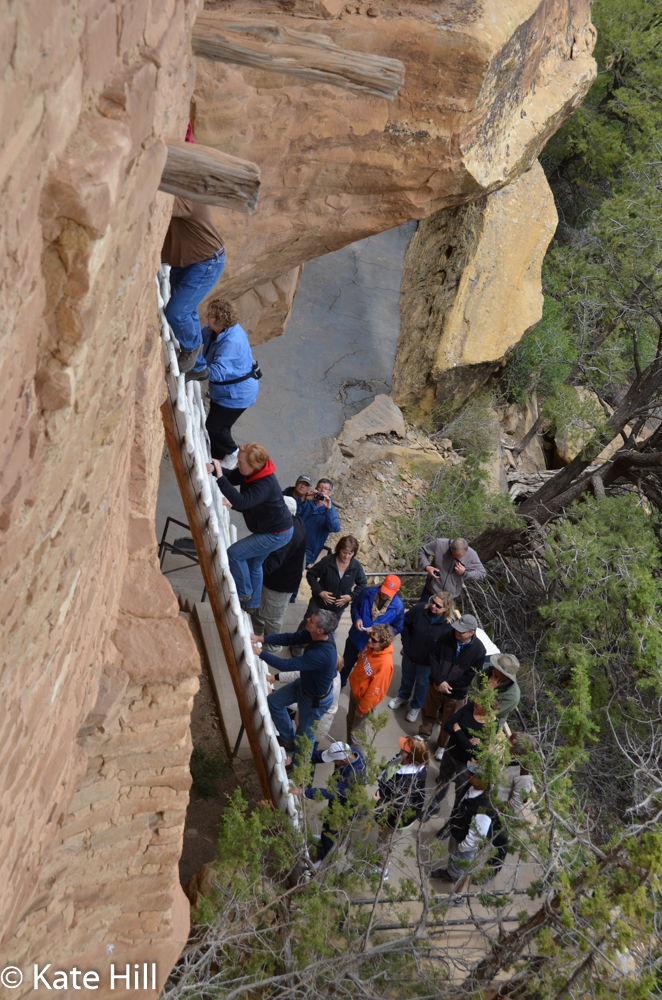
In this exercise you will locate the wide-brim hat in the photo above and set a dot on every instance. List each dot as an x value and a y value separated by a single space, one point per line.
506 664
337 751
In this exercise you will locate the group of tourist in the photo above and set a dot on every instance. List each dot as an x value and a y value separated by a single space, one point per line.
444 654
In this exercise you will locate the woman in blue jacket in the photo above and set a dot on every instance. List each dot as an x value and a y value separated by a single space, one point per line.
373 606
233 386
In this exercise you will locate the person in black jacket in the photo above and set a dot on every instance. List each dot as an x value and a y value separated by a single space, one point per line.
424 624
282 572
464 730
474 825
261 501
336 578
456 656
400 794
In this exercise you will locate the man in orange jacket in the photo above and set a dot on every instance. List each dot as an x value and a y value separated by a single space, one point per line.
370 679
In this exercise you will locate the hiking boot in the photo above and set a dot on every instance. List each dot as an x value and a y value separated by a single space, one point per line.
197 376
412 714
187 359
396 702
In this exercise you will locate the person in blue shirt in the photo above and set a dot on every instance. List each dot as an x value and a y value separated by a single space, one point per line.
317 666
228 362
321 519
378 605
349 770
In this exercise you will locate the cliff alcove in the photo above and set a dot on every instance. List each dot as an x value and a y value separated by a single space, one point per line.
98 669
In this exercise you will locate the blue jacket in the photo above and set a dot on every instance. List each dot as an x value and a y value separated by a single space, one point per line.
317 664
228 355
394 615
319 522
348 775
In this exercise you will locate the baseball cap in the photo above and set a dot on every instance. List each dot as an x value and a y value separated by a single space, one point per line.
337 751
391 585
303 478
467 623
406 743
471 768
291 505
506 664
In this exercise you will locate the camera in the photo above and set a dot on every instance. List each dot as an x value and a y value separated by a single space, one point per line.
319 496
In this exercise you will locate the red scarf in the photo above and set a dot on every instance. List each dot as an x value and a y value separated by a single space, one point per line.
266 470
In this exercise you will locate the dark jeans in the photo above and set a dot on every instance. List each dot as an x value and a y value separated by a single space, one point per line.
350 656
188 287
219 422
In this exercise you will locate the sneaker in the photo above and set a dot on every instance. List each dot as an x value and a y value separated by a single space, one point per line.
396 702
412 714
187 359
230 461
197 376
439 753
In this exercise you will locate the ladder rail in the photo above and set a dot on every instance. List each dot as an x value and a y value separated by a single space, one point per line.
209 521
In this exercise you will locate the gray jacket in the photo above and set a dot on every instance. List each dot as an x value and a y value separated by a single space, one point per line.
438 554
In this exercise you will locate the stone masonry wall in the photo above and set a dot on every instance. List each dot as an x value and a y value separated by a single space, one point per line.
97 670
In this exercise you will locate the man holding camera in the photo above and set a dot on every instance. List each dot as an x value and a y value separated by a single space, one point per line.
449 562
320 517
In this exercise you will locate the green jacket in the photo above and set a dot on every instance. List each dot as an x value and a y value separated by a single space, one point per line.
507 698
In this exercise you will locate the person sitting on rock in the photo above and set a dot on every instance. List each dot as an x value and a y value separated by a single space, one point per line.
233 384
261 501
320 517
378 605
449 563
312 692
370 679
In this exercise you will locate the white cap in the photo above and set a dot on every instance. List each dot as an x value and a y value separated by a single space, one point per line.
337 751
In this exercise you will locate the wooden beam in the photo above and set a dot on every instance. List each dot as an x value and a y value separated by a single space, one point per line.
195 513
202 173
265 45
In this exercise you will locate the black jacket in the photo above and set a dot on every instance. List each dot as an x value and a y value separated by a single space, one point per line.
259 499
460 745
283 569
324 576
402 796
457 671
461 818
420 634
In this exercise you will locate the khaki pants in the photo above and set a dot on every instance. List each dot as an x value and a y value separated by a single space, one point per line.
268 619
355 720
438 707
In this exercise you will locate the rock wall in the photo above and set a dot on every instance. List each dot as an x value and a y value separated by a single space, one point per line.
97 668
470 290
486 83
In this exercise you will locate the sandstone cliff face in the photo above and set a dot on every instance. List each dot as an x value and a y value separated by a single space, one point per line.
470 290
97 669
485 85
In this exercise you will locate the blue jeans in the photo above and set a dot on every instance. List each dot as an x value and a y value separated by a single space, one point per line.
308 716
246 557
188 287
414 676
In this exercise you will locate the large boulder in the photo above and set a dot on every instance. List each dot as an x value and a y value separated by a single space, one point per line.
485 86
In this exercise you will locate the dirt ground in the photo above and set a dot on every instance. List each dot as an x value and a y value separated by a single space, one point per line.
215 776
